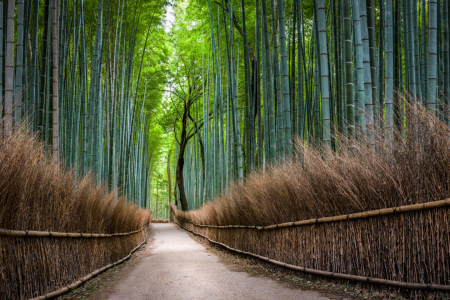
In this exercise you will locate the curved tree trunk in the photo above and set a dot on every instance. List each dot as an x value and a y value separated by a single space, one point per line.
202 155
180 180
180 161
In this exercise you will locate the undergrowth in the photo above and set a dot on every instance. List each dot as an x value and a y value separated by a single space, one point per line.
413 166
37 194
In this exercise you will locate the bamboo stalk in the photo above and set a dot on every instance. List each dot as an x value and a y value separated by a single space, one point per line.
389 70
55 80
9 67
432 55
324 72
18 101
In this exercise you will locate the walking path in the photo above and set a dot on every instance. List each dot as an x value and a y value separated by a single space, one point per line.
174 266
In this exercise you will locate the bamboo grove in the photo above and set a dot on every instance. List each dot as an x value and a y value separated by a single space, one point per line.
69 71
273 71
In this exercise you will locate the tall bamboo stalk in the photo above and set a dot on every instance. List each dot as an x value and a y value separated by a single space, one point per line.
389 69
349 94
9 67
55 79
324 73
432 54
285 82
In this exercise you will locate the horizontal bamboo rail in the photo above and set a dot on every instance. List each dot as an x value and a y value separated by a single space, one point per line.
34 233
380 281
354 216
87 277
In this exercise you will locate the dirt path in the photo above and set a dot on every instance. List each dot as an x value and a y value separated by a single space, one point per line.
174 266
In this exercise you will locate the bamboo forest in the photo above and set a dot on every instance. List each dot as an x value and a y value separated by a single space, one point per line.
303 142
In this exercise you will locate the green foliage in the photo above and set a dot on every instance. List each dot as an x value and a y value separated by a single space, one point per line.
333 71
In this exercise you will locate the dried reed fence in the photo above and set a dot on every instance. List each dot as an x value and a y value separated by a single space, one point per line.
407 249
56 229
86 278
160 220
372 208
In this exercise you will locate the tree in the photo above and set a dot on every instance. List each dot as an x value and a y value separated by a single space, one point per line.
187 93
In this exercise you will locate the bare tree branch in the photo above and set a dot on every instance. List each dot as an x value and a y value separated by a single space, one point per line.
239 28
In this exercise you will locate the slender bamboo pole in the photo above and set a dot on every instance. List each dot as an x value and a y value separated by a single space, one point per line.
349 94
389 70
9 71
359 63
432 55
285 82
55 80
270 88
18 93
324 72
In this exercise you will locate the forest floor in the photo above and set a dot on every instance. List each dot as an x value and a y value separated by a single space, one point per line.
177 265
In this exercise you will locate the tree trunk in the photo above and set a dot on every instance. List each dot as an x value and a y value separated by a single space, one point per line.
170 185
180 180
202 155
156 216
168 178
180 162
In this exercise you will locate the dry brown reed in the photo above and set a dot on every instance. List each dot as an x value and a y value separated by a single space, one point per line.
160 220
37 194
411 168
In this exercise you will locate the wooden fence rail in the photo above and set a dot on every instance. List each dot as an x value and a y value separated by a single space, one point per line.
361 215
35 233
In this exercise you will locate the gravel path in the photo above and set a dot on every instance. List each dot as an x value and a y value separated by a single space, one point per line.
174 266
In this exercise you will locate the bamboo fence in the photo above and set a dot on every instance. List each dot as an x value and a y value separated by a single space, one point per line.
86 278
405 247
36 263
